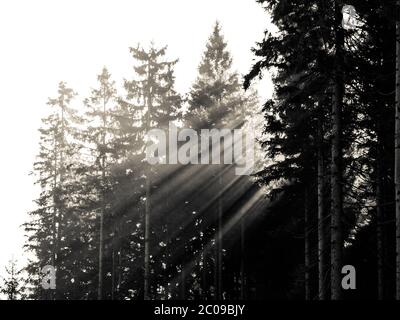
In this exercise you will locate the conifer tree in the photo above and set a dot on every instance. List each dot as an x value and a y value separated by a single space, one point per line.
53 222
216 93
153 103
217 100
13 285
100 126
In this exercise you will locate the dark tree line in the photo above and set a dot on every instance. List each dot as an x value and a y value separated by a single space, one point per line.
331 130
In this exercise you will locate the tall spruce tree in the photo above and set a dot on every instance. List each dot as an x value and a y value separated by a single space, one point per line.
217 100
216 93
154 103
53 222
336 158
100 126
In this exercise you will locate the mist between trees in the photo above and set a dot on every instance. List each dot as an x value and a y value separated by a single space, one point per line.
326 193
115 226
231 145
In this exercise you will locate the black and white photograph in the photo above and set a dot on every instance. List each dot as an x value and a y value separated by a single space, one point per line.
200 155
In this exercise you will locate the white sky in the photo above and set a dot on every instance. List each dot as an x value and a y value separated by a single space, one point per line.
43 42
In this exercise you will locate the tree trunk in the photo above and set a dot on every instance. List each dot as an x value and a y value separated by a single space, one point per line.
397 154
307 249
147 207
60 204
101 242
380 220
183 283
322 247
336 169
103 204
242 260
168 248
218 265
204 272
54 225
119 281
115 282
113 274
146 242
